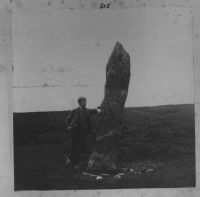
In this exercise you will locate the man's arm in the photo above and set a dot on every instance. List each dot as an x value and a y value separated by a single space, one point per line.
68 120
95 111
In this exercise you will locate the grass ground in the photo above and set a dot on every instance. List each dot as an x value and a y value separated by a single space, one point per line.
161 138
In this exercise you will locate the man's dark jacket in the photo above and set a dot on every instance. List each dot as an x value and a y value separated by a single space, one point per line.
73 119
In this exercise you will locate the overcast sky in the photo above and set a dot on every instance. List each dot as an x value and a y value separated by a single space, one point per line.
59 55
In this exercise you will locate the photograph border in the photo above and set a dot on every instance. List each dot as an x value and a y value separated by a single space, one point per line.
6 130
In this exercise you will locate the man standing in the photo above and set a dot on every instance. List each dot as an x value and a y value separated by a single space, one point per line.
78 122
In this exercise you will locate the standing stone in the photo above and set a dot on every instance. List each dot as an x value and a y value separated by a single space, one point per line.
105 143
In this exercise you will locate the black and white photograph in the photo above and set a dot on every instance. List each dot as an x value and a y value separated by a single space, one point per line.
103 98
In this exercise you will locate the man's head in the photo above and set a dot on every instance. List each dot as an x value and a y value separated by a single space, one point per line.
82 101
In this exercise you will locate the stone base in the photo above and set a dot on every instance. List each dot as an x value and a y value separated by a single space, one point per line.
102 162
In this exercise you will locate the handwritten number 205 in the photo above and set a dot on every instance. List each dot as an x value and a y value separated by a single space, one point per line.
102 5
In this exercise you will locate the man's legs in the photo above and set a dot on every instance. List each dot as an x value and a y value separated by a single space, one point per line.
84 148
79 146
83 143
75 147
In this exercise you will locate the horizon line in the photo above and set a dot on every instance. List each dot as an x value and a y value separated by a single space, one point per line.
145 106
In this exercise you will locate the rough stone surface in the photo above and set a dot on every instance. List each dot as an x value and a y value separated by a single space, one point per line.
104 151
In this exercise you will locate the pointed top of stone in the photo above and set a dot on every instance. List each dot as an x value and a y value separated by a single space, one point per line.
118 46
119 52
118 68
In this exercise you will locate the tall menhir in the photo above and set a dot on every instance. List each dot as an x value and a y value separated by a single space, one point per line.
105 144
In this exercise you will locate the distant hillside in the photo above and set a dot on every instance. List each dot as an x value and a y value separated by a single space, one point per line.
48 127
